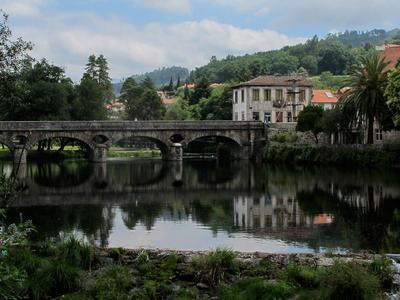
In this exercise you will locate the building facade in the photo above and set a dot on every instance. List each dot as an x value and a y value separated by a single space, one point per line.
271 99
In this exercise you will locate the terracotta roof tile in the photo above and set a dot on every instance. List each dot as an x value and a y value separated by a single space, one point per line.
392 56
277 80
324 96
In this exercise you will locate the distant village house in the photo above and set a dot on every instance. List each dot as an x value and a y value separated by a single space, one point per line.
271 98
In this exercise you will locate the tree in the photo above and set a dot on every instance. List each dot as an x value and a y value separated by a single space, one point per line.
309 119
141 100
178 111
335 57
104 79
367 87
171 85
178 83
310 63
218 106
201 90
91 70
392 93
97 70
13 55
89 104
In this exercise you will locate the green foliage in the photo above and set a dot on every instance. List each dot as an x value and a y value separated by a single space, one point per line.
383 269
392 93
7 191
309 119
97 70
315 56
89 103
178 111
356 38
367 86
327 81
256 288
163 76
77 253
284 137
301 276
215 267
12 282
306 154
218 106
141 100
350 281
111 282
202 90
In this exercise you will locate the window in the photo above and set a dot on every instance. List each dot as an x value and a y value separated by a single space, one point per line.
242 96
256 116
267 117
267 95
291 96
268 221
289 116
379 134
302 95
256 94
279 95
243 116
236 116
236 96
279 116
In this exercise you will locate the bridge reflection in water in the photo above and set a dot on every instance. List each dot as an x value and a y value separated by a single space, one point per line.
200 205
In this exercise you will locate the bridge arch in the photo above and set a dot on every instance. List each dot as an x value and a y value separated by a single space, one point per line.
232 146
84 140
159 142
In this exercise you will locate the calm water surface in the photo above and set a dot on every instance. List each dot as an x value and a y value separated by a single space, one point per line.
201 205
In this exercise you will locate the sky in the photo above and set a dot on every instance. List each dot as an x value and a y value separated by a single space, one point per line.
137 36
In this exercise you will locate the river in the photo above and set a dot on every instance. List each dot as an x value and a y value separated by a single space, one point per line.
202 205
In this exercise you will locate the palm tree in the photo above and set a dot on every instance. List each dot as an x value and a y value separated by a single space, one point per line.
366 91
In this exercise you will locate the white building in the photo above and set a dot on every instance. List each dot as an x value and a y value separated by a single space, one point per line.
271 99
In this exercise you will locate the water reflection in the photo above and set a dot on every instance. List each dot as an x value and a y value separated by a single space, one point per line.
205 204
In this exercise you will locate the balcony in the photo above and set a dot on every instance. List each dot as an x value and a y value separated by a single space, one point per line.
279 104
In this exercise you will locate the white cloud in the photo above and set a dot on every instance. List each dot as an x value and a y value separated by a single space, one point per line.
22 8
177 6
339 13
69 40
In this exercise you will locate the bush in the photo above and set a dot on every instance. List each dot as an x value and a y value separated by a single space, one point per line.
301 276
323 155
12 282
382 268
255 288
77 253
111 282
350 281
215 267
283 137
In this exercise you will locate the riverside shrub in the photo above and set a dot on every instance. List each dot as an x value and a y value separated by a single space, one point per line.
324 155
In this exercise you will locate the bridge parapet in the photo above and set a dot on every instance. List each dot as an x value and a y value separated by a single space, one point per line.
98 136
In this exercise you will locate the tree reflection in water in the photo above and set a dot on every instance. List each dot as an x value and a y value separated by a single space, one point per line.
315 208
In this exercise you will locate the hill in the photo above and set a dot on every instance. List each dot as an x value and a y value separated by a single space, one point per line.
374 37
160 76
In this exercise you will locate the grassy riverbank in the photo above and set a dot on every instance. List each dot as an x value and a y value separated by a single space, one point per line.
75 270
123 153
332 155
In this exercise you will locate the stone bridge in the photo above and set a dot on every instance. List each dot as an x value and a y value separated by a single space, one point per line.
244 138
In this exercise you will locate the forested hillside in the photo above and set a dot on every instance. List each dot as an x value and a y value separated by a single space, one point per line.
160 76
335 54
374 37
